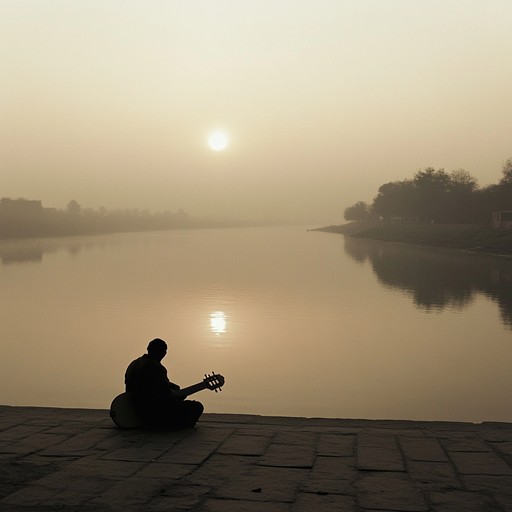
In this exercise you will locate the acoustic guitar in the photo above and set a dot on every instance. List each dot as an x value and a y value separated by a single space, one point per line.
122 410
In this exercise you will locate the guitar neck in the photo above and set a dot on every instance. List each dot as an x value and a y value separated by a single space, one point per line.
190 390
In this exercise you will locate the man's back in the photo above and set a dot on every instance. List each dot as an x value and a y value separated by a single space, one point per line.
145 375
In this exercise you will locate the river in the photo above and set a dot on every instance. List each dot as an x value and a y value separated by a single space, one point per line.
300 323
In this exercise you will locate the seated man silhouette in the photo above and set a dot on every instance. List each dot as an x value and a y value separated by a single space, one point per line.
153 394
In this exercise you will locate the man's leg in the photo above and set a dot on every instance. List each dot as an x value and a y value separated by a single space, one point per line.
185 414
190 412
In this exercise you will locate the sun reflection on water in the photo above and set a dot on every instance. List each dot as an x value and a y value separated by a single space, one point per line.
218 321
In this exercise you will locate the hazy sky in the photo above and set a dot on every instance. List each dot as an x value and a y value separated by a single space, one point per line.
111 102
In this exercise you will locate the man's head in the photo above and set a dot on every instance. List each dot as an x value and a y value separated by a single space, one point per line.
157 349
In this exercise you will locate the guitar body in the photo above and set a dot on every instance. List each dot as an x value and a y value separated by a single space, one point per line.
123 412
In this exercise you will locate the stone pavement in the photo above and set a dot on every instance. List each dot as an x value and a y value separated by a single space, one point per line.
76 459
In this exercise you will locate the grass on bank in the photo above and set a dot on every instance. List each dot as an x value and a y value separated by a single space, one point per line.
468 237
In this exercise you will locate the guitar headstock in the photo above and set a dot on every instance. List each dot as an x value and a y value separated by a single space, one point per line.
214 381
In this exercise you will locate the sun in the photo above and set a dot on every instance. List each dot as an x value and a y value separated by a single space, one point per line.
218 141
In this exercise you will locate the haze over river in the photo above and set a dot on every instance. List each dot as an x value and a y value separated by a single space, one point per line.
299 323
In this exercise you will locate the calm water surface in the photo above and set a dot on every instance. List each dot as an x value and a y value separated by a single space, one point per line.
300 323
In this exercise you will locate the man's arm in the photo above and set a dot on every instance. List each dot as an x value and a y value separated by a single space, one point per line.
173 386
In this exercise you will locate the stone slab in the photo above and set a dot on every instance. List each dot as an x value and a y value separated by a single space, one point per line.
67 459
480 463
389 493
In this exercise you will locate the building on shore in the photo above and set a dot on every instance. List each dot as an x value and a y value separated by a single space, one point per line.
502 219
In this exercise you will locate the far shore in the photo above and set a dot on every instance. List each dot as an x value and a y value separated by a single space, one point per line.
465 237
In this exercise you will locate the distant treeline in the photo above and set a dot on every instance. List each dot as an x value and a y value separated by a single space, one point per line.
437 196
22 218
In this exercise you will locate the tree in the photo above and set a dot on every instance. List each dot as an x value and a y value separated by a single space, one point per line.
431 189
462 203
395 200
358 212
461 180
507 173
437 196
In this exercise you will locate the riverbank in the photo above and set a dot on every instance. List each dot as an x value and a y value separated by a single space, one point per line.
76 459
467 237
